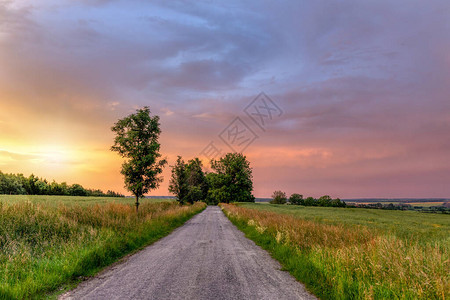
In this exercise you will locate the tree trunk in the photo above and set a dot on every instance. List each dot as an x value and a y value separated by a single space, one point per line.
137 204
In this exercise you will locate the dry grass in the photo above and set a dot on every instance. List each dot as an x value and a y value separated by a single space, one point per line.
357 263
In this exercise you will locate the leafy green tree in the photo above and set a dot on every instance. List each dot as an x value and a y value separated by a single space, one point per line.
296 199
64 188
77 190
24 182
10 184
310 201
278 197
42 187
137 141
338 203
233 179
188 182
178 184
33 189
324 201
217 189
197 186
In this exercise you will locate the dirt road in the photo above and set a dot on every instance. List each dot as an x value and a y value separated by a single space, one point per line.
207 258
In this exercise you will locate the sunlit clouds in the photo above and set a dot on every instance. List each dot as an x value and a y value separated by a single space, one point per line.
364 89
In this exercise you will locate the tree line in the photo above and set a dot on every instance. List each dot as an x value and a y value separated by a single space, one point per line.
279 197
18 184
401 206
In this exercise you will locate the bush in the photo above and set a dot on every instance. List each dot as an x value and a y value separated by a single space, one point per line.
278 197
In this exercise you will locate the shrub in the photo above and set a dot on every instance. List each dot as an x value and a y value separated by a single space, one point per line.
278 197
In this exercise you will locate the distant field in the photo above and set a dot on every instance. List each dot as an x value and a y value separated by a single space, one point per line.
426 204
406 224
423 204
354 253
79 200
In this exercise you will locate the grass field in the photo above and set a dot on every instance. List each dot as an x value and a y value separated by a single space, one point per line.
72 200
426 204
422 204
405 224
49 243
354 253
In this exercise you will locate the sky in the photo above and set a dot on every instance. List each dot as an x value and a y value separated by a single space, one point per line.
345 98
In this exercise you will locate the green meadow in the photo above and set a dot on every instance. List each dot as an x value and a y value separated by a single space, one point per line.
422 227
354 253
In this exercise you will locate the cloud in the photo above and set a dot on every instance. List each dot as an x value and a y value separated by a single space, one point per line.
363 85
19 156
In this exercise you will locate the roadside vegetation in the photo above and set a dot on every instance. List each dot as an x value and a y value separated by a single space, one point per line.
45 247
353 253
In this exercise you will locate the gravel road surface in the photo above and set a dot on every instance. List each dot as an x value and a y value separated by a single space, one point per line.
207 258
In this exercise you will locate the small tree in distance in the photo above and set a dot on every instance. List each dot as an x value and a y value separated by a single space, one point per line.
296 199
278 197
137 141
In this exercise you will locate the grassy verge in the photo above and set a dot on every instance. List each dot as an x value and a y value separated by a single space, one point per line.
341 261
44 247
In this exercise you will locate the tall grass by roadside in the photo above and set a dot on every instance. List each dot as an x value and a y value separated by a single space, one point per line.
43 247
336 262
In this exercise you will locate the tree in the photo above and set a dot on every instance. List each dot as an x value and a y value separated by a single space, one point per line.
217 189
33 189
310 201
77 190
338 203
178 184
188 182
325 201
296 199
278 197
137 141
232 181
197 187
